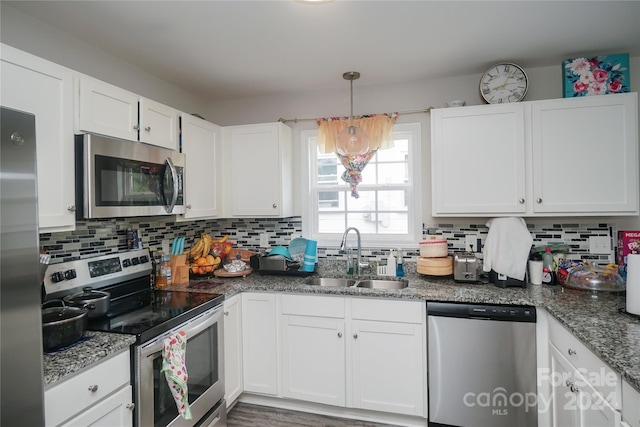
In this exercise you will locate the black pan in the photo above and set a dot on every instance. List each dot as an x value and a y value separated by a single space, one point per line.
62 325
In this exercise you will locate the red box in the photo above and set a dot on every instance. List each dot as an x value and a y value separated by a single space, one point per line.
628 243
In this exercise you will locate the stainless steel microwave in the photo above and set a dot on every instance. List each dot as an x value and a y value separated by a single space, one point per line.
119 178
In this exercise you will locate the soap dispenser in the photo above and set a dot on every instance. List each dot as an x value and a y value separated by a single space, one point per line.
399 268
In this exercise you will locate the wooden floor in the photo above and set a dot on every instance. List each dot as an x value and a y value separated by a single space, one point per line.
246 415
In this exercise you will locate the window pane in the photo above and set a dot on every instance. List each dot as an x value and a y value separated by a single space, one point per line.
331 222
328 199
393 223
392 173
395 154
392 200
366 202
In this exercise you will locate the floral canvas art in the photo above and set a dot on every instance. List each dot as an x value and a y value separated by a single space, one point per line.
597 75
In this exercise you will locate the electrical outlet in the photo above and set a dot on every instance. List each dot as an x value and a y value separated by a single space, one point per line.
264 240
470 243
599 245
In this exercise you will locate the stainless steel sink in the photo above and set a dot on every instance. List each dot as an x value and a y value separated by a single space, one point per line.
383 284
333 282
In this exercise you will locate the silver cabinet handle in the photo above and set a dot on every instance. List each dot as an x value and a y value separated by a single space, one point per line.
339 334
130 406
571 352
355 336
226 313
538 200
71 208
568 383
274 206
93 388
574 389
136 127
147 129
188 206
521 201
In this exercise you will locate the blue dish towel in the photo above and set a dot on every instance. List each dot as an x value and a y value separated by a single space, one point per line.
175 371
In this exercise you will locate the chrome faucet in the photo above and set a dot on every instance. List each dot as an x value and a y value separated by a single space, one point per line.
343 247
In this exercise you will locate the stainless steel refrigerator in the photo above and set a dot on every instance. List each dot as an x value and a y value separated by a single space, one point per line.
21 385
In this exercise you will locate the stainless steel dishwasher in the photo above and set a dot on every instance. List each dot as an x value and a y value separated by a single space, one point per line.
481 365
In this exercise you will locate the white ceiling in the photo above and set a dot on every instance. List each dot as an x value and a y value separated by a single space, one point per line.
234 49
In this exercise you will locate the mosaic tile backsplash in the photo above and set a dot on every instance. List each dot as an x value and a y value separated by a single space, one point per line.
99 237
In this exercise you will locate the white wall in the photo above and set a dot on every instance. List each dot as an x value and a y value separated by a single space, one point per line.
33 36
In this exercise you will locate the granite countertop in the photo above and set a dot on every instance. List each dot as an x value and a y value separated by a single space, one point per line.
93 347
597 322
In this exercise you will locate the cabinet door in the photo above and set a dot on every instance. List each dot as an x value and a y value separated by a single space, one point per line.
158 124
564 410
116 410
585 155
261 167
594 409
45 89
387 366
259 343
201 146
107 110
313 359
232 348
630 405
478 160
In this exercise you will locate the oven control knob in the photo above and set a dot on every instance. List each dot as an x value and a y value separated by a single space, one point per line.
70 274
144 259
135 261
126 263
56 277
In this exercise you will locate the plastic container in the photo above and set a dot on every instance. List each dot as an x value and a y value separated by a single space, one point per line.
399 268
434 247
161 275
547 259
391 264
165 267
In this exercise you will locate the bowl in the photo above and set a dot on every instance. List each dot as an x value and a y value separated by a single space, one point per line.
595 278
280 250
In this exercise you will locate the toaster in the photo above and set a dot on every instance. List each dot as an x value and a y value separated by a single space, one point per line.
466 267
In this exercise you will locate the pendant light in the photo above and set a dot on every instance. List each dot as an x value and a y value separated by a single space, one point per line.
353 140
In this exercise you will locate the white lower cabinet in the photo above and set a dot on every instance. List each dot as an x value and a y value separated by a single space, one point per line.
584 391
259 343
354 352
630 405
232 348
98 396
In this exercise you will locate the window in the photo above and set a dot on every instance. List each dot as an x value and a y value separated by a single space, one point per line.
388 211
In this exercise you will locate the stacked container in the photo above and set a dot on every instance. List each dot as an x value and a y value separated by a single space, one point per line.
434 259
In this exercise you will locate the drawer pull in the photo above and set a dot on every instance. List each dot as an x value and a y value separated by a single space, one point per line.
226 313
147 129
571 352
130 406
339 334
93 388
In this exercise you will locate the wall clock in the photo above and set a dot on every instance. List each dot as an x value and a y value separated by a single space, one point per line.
504 82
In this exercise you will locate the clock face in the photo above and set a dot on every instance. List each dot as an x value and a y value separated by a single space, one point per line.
504 83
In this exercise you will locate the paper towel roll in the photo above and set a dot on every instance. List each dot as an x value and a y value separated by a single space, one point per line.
633 284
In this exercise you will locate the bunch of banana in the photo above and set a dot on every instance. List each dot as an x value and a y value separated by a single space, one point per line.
201 247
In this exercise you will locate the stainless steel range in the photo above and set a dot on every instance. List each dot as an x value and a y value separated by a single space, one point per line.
153 315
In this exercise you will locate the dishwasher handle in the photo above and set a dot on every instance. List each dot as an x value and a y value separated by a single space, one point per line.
505 313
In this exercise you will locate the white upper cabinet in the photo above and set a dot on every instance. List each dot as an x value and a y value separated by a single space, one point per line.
563 157
109 110
201 144
478 161
45 89
585 155
259 161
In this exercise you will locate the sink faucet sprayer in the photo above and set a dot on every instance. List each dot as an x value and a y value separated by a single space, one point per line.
343 247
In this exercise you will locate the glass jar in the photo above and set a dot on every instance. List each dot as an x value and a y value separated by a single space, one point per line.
161 276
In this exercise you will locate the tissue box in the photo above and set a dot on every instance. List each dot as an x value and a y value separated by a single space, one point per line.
628 243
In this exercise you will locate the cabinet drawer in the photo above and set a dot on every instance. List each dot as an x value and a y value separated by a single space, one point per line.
594 370
305 305
386 310
74 395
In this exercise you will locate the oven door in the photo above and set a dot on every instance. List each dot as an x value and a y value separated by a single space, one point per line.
122 178
155 405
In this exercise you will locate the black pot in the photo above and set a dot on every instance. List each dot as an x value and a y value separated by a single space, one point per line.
62 325
97 302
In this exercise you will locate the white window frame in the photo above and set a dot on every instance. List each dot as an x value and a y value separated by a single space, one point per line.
412 131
